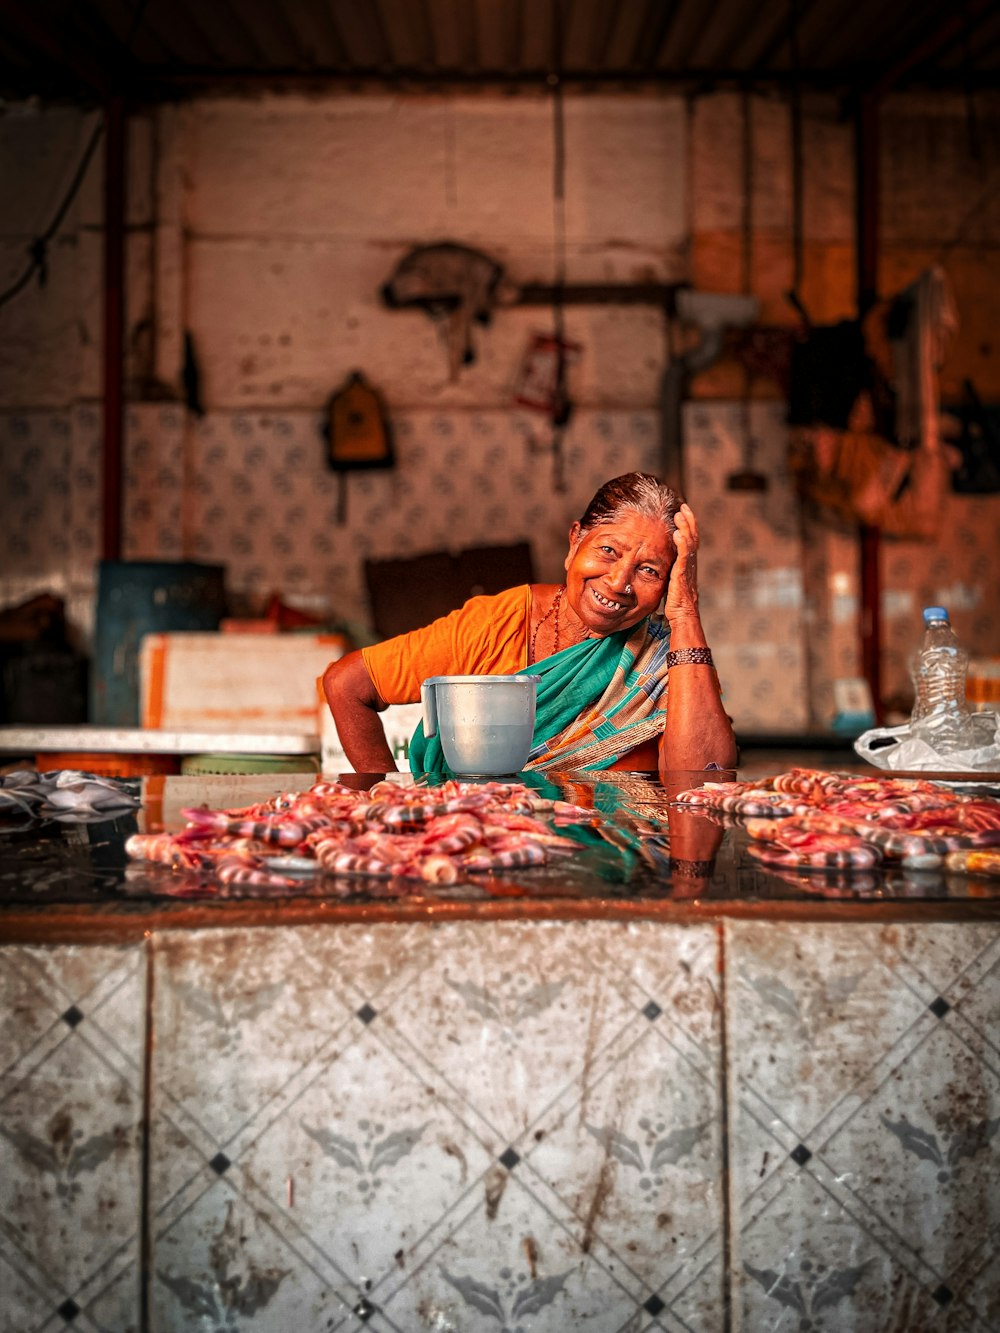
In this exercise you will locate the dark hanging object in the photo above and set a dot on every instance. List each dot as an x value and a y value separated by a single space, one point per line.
455 285
357 431
979 444
191 376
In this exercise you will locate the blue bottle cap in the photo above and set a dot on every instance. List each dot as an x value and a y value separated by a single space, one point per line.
934 613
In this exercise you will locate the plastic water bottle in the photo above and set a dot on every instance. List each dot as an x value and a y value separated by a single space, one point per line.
941 716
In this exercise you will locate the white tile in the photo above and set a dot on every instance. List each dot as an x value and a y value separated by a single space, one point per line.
70 1170
367 1162
222 1264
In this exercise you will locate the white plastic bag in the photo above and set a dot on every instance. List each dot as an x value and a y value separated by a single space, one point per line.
897 749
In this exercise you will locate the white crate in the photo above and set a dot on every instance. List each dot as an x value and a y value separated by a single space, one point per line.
234 682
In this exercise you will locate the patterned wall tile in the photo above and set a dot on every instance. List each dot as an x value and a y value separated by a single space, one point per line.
509 1120
153 485
86 488
750 562
864 1114
36 448
780 591
70 1134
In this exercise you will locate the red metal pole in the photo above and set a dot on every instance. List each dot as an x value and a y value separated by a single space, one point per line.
867 188
114 322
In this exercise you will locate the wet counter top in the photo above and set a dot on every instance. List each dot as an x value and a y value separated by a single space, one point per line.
643 857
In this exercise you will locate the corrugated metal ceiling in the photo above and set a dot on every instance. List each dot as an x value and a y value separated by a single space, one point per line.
159 48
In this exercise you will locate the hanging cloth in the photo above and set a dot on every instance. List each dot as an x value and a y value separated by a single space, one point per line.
920 323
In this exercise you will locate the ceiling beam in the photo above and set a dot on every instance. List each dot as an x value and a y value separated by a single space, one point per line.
42 41
962 20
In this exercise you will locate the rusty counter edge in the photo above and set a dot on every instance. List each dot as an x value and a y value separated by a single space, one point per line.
87 923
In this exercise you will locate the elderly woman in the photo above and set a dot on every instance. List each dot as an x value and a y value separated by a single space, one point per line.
621 685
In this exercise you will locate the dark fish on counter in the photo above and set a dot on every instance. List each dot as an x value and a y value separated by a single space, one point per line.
65 794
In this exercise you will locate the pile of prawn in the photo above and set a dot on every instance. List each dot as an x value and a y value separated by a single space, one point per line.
436 835
819 821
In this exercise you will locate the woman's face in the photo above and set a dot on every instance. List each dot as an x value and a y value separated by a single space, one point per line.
616 574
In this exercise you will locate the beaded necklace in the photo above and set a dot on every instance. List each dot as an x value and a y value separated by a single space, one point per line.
554 608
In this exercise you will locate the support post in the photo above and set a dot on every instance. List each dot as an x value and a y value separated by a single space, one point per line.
866 152
114 322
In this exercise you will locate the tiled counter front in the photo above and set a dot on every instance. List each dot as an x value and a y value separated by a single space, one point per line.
475 1126
503 1125
864 1095
72 1038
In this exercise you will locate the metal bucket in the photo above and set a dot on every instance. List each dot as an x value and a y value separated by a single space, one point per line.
486 723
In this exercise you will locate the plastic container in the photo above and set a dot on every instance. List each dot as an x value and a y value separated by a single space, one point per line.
135 598
941 714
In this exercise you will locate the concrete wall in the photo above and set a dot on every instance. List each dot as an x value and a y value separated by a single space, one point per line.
264 228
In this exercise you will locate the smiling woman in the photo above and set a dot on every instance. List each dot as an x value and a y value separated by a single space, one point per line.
605 653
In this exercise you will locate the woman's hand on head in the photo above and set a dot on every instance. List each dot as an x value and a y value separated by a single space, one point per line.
682 587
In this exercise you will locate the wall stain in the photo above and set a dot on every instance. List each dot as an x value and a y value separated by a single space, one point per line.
453 1150
530 1247
496 1183
605 1181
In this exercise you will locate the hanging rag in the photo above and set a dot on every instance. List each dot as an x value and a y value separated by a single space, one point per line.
920 323
830 367
978 443
858 476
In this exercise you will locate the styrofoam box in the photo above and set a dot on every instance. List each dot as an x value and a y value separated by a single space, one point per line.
399 722
237 682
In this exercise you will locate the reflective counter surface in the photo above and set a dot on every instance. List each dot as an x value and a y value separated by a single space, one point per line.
643 854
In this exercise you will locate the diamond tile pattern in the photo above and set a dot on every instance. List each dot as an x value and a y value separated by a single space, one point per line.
512 1138
864 1093
516 1142
71 1108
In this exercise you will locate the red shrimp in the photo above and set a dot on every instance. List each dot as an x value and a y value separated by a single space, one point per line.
389 847
446 834
338 862
276 829
563 812
439 869
242 869
494 832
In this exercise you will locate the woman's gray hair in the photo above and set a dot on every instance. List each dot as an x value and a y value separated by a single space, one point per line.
638 492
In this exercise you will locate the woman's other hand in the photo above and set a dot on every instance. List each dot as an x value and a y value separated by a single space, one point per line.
681 602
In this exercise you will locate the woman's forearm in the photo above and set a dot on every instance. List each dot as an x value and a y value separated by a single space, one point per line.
697 732
355 706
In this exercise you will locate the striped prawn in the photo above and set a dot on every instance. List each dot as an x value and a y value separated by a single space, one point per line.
273 828
504 858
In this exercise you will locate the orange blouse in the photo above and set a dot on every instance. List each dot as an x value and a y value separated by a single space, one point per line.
488 636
